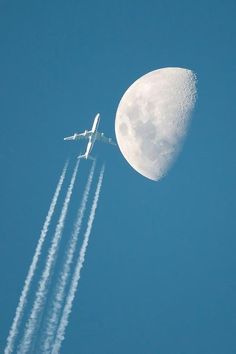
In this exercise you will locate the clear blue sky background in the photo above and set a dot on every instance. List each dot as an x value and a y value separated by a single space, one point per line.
159 276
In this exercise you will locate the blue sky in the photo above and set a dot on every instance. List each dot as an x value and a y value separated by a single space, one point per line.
159 276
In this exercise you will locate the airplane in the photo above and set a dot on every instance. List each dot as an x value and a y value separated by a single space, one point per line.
92 135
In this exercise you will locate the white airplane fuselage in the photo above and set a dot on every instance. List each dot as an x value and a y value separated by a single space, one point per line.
92 137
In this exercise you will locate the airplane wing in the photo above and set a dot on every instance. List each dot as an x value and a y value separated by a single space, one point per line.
101 137
79 136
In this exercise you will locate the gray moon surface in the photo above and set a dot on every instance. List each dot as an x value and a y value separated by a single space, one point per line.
152 119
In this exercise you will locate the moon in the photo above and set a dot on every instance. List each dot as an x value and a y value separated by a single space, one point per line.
152 119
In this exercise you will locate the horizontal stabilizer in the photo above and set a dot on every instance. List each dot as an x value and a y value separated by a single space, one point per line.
86 157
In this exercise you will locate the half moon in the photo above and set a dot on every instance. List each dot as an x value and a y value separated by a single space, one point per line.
152 119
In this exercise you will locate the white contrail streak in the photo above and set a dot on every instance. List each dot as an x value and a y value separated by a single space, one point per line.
54 315
41 293
60 335
23 297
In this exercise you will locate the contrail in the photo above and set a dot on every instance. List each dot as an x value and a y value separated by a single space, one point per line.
53 318
41 293
60 335
23 297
